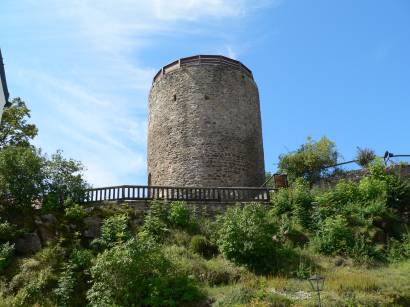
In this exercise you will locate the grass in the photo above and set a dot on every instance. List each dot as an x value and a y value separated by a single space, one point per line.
346 283
344 286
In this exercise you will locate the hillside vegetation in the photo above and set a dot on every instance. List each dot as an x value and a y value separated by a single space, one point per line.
356 235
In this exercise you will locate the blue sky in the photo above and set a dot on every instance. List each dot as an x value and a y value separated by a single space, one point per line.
338 68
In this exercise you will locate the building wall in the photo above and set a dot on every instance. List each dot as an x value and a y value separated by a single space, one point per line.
2 100
204 128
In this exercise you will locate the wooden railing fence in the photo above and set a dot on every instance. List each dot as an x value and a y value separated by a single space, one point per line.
137 192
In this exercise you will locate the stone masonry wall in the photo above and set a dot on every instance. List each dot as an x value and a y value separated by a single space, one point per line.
403 171
204 128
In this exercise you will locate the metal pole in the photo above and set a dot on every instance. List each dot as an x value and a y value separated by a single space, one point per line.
318 297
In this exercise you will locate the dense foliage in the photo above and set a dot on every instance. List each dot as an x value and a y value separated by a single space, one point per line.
310 160
136 273
14 128
251 255
245 237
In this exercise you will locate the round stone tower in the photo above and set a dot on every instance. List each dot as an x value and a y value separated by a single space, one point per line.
204 125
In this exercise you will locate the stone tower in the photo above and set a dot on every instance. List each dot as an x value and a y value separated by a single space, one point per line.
204 125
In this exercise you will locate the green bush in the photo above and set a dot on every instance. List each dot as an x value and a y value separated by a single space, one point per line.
364 250
245 237
399 250
8 231
66 286
73 279
302 203
155 228
114 230
160 210
75 213
6 254
136 273
335 237
282 201
202 246
295 202
179 215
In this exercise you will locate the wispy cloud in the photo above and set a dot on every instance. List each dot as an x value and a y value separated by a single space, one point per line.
94 108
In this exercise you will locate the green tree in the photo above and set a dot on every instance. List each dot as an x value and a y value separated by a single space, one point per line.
27 177
14 128
309 160
21 176
63 180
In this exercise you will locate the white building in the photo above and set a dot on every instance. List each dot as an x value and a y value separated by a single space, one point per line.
4 93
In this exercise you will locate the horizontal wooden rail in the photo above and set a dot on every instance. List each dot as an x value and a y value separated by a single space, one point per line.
137 192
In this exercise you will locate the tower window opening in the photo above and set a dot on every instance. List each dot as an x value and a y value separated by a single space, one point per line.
175 97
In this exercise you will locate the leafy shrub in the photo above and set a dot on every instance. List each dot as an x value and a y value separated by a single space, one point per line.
399 250
159 210
154 227
373 189
136 273
114 230
66 285
6 253
73 279
334 237
282 201
364 250
179 214
295 201
245 237
302 203
75 213
202 246
8 231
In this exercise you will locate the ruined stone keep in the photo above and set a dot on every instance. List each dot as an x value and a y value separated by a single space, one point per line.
204 125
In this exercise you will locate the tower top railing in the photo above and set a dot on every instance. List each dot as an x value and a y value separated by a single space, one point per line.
203 60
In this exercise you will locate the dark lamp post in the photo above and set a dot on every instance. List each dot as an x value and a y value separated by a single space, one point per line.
317 282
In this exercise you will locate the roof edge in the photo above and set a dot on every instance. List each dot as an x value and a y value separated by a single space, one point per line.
3 79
